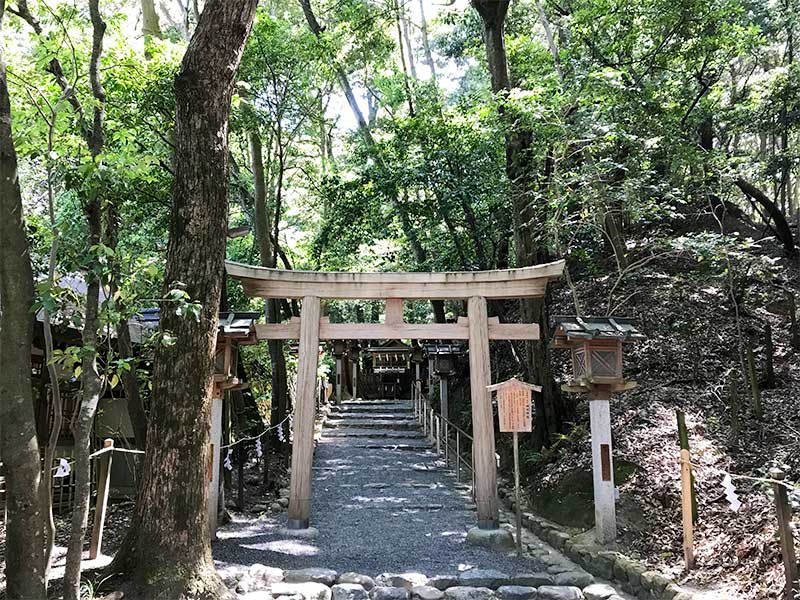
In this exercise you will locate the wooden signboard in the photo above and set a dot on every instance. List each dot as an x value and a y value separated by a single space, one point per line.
514 405
516 415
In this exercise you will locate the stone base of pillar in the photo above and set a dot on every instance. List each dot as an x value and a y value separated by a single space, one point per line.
306 532
295 524
499 538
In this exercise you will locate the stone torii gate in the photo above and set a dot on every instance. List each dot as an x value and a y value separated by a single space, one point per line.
474 286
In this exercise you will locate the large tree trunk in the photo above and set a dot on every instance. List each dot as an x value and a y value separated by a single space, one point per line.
268 255
525 218
169 555
18 444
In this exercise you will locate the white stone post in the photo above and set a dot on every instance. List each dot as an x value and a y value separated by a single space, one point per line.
602 469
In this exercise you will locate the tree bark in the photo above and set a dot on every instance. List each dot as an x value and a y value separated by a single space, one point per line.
19 448
168 553
781 226
426 44
151 28
525 217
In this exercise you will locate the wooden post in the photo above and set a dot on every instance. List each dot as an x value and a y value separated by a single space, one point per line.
443 404
483 451
214 463
338 374
417 382
517 506
687 509
103 481
605 513
355 379
240 458
303 447
683 438
784 512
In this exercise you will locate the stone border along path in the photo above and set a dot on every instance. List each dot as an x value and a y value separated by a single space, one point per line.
393 522
581 546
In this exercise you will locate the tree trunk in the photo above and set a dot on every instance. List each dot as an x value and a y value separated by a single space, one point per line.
268 255
426 44
91 383
781 226
19 447
151 28
527 250
168 551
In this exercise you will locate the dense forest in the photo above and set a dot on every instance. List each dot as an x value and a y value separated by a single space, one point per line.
652 144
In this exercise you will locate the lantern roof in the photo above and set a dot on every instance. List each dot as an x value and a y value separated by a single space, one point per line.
570 329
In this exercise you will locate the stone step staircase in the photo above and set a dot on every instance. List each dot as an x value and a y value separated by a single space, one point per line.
376 425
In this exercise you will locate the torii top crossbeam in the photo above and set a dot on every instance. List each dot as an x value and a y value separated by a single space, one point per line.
527 282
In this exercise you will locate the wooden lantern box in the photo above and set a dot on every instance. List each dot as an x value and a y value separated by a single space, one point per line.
597 347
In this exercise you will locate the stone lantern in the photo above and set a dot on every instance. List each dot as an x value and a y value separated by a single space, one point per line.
597 345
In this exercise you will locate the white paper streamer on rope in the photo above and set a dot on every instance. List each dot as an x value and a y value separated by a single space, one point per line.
730 493
258 448
227 463
63 468
281 435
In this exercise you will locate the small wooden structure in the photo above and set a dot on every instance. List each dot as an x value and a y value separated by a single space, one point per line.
473 286
597 348
391 362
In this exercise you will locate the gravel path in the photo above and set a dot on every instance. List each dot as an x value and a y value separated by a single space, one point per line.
382 502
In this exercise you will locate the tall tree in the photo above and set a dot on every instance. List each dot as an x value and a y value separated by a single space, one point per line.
25 569
528 250
91 381
168 551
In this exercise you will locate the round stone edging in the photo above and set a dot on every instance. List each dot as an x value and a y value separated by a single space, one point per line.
633 576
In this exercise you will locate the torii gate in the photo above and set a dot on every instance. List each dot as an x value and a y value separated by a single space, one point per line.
474 286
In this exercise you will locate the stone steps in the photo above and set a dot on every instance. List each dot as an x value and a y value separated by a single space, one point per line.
374 405
373 432
382 444
368 415
365 423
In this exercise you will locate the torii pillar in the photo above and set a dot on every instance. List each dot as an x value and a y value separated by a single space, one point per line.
304 409
483 449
